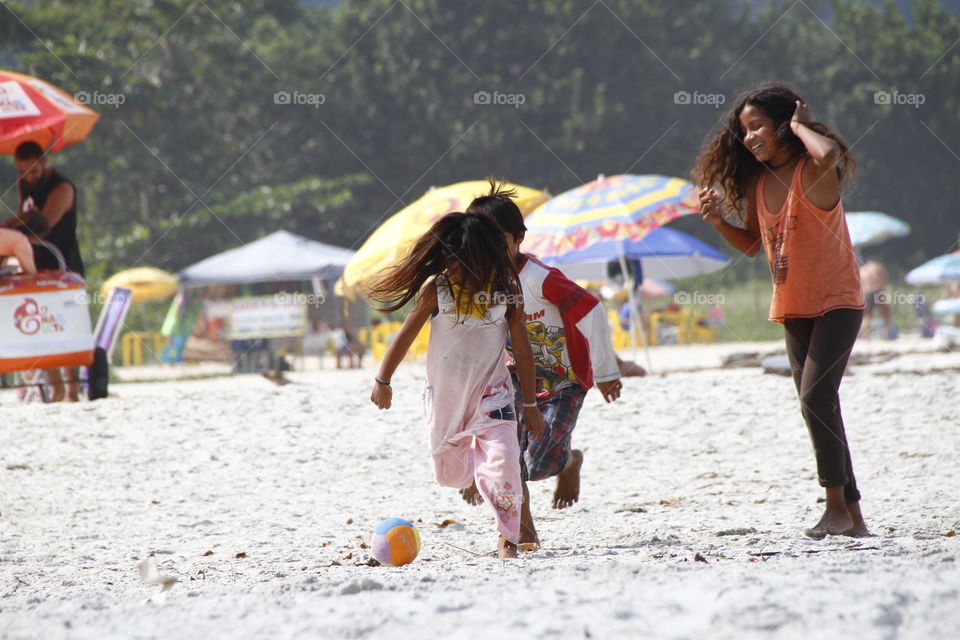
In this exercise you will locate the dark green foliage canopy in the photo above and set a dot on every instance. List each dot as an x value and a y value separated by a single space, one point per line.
241 118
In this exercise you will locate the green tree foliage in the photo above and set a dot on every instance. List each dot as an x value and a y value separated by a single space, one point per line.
240 118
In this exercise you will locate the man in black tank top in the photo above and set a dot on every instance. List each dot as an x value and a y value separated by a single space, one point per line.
44 190
47 194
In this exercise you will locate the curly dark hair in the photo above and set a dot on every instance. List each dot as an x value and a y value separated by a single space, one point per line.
725 163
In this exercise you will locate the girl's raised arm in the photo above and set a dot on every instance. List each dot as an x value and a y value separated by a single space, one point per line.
823 151
526 372
425 307
821 180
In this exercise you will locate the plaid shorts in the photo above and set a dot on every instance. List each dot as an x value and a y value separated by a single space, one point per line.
548 456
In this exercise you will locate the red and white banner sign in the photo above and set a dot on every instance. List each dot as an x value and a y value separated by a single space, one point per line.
44 329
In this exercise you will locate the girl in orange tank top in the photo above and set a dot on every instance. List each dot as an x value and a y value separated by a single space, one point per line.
824 274
785 173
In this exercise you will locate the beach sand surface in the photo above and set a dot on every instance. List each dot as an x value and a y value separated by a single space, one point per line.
696 488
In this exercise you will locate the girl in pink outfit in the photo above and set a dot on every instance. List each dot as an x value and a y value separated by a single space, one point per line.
464 282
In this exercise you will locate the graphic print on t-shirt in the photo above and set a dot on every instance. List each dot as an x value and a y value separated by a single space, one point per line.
549 355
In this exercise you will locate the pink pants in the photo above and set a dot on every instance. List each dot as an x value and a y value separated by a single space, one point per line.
492 460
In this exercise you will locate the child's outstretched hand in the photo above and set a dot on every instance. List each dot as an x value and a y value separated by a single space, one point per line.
381 395
611 389
533 422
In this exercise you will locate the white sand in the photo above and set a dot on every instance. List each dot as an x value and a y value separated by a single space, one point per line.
296 476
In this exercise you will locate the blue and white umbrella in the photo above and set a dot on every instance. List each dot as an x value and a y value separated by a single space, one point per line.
945 268
665 254
946 306
873 227
662 253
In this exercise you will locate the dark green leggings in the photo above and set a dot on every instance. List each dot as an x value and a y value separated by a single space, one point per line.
818 349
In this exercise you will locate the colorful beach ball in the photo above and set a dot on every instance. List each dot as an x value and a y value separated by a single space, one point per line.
395 541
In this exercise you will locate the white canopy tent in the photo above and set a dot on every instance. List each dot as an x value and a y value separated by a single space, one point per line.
277 257
280 257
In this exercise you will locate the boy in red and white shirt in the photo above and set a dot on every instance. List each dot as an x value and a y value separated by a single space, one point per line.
568 331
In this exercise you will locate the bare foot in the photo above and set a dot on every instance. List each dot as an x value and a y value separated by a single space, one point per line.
471 495
831 524
568 482
859 529
836 519
506 549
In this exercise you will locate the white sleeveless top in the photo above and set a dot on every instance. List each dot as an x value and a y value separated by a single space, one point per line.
466 372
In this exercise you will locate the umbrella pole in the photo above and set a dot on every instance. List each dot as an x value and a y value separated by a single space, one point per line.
635 326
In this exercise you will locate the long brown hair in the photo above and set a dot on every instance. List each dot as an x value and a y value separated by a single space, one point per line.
472 245
725 163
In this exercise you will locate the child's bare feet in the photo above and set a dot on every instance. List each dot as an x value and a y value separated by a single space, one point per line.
471 495
568 482
506 549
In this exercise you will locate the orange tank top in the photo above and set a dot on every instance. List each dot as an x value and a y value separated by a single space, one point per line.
812 263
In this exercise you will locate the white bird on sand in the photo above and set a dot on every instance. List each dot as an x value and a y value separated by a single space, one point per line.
150 575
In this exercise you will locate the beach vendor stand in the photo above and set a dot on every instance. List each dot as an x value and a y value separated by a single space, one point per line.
44 318
44 322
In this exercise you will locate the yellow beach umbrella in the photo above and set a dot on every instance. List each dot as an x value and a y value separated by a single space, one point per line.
145 283
388 244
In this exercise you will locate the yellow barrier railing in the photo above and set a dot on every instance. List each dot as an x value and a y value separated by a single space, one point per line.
686 327
132 346
379 338
663 323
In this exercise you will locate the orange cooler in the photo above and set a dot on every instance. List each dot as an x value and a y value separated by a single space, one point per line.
44 322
